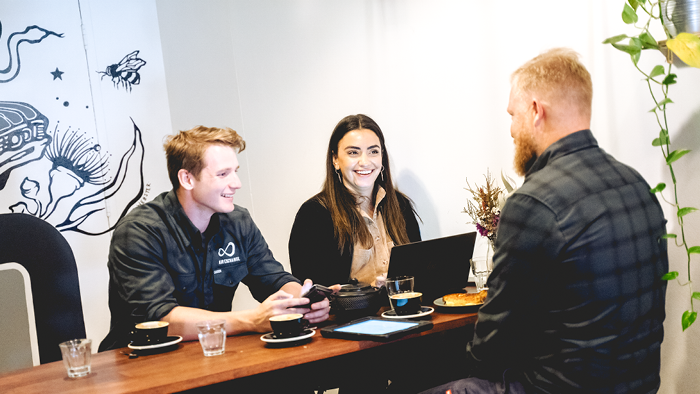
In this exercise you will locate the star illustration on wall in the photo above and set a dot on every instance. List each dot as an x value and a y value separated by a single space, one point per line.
57 74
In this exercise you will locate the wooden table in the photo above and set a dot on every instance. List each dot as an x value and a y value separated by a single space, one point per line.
248 362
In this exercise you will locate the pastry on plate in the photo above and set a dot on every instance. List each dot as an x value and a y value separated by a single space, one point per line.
464 299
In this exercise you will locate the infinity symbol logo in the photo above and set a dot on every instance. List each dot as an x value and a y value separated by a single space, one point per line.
226 252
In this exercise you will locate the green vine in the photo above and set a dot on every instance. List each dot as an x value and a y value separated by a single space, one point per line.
687 48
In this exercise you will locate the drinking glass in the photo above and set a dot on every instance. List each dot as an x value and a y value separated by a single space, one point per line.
212 337
77 356
481 269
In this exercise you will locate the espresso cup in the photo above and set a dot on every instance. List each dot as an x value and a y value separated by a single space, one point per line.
288 325
408 303
149 333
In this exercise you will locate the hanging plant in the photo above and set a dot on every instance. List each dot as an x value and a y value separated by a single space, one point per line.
686 47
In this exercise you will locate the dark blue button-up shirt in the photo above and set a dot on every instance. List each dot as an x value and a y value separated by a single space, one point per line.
158 260
576 301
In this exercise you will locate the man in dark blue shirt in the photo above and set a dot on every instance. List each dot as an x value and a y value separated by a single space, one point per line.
180 257
575 300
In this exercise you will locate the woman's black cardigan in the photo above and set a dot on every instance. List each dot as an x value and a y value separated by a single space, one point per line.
313 247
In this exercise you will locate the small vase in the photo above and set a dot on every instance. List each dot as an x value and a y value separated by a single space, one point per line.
490 249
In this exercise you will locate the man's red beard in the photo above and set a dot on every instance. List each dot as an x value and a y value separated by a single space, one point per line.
525 153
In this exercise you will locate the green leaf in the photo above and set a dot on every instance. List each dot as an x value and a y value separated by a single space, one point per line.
675 155
670 79
629 16
635 57
615 39
684 211
667 236
633 3
662 140
661 104
631 49
665 101
670 276
648 42
636 42
658 70
694 250
660 187
688 319
696 295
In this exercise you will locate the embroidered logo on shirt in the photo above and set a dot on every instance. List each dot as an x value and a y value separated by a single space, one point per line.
226 252
229 251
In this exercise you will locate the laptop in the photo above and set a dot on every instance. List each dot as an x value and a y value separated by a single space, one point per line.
439 266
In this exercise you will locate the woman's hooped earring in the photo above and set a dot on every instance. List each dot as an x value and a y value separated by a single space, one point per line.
382 173
340 177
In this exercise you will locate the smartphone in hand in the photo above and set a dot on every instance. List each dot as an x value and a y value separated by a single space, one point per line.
315 294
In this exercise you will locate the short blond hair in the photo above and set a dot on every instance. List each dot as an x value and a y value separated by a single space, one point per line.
559 76
185 150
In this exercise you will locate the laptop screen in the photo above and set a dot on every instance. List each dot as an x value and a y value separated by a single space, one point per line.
439 266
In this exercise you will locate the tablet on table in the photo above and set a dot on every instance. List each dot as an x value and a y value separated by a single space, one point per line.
375 329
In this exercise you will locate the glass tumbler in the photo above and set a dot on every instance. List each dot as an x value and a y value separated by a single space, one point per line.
77 356
212 337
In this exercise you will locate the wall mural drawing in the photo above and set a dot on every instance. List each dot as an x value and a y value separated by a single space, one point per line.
73 180
32 35
126 72
23 137
57 74
77 163
77 152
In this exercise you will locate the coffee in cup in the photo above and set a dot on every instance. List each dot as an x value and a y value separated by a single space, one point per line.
408 303
149 333
288 325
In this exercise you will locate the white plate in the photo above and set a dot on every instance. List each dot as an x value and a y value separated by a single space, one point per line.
424 311
175 339
269 337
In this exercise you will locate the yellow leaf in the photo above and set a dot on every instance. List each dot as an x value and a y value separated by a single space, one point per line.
687 47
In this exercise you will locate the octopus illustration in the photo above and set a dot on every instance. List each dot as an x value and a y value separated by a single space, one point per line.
23 136
77 163
32 35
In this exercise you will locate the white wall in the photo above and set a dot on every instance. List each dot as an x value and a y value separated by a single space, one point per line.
435 76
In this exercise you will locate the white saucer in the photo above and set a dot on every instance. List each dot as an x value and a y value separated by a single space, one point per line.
424 311
270 337
173 340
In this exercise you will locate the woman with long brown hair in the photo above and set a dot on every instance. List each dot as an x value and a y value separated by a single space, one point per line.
348 229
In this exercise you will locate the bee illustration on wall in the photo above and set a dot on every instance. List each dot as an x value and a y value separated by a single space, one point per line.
126 72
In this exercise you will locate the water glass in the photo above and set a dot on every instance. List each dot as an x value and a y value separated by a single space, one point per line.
77 354
212 337
481 268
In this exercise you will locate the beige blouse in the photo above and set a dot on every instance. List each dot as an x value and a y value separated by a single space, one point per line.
367 264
